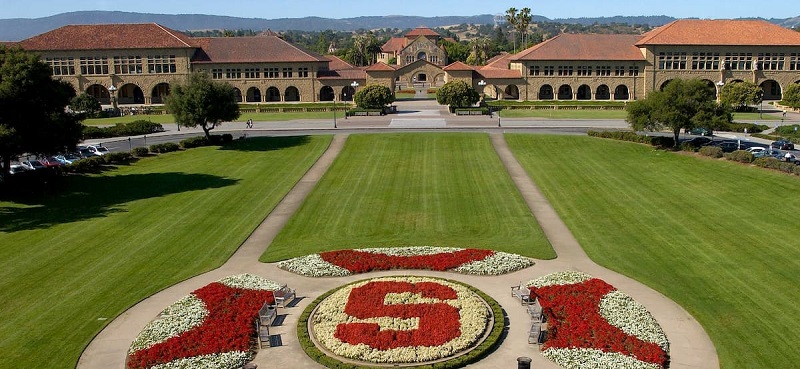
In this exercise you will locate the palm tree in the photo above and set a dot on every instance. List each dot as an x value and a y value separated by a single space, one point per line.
524 21
513 20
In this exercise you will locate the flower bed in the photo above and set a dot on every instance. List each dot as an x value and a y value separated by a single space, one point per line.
400 320
589 321
212 327
347 262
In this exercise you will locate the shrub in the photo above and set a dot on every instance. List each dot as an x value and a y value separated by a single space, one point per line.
740 156
374 97
135 128
685 146
193 142
86 165
662 141
227 137
164 147
712 151
740 127
141 151
117 158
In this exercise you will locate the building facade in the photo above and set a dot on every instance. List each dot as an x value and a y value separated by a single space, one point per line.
136 64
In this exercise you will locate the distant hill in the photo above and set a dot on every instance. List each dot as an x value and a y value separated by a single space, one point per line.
21 28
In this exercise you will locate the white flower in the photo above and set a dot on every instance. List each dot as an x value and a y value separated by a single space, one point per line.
559 278
496 264
580 358
233 359
313 266
250 282
183 315
623 312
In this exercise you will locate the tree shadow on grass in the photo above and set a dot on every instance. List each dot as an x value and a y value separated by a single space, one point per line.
87 197
266 143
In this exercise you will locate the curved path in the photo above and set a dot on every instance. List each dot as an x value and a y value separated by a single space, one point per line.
689 344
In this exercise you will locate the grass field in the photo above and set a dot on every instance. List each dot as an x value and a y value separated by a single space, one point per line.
719 238
753 116
258 117
71 262
413 190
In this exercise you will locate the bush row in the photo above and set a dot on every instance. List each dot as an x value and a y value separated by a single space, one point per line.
135 128
772 163
740 127
745 157
96 163
660 141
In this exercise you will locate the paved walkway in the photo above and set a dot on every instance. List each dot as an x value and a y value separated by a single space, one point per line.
690 346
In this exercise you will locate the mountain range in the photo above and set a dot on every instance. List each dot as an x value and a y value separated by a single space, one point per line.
16 29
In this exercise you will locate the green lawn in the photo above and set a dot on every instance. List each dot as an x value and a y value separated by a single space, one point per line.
72 261
753 116
719 238
413 190
258 117
564 114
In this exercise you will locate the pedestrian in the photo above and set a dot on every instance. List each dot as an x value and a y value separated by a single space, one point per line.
250 123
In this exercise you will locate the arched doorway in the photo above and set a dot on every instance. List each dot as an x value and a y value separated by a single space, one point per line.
160 91
511 92
253 95
664 84
273 94
326 93
772 90
584 92
422 56
100 93
621 93
603 93
546 92
291 94
347 93
238 94
130 94
565 92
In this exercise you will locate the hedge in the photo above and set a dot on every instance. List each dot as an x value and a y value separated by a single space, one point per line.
660 141
135 128
141 151
712 151
740 156
164 147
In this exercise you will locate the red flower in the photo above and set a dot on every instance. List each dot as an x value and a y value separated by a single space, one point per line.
228 327
574 321
438 322
361 261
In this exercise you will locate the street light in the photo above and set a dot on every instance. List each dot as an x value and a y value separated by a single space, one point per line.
482 83
334 112
354 85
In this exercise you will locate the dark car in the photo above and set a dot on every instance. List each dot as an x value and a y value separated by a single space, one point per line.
730 146
783 145
700 131
700 141
33 164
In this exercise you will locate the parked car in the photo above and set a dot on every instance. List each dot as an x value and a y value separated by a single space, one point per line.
700 141
51 162
755 149
17 168
729 146
98 150
67 158
33 164
789 157
774 153
700 131
783 145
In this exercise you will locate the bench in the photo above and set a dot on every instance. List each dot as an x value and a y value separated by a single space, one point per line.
522 293
284 295
535 311
266 315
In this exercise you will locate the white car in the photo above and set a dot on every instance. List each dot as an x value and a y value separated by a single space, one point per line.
755 149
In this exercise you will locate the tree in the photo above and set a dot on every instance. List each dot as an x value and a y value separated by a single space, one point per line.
523 21
480 51
86 104
739 95
456 51
513 20
203 102
33 119
791 97
457 94
374 97
682 104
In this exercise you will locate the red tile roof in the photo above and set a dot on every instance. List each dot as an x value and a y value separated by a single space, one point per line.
499 61
258 49
721 32
458 66
337 63
380 67
108 37
394 44
422 31
493 73
567 46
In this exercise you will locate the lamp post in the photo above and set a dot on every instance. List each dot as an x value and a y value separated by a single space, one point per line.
334 112
354 85
113 91
482 84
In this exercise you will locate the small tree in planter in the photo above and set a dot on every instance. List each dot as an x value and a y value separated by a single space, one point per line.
457 94
374 97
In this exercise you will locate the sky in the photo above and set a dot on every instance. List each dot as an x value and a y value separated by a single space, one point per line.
271 9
